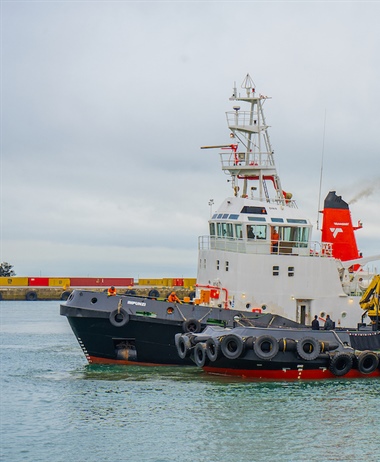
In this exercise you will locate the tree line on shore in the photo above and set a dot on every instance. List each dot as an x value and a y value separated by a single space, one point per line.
6 269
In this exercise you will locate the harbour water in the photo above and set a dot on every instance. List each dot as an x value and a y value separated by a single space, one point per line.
56 407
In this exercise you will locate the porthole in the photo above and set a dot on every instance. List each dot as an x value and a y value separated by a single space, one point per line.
94 300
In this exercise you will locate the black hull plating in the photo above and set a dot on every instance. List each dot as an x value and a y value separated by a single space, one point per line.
145 333
149 342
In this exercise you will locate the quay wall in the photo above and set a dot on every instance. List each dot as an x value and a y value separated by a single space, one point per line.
60 293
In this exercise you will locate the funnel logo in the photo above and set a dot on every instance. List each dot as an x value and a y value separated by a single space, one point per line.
336 231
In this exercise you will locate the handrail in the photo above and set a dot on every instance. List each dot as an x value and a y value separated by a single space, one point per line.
308 249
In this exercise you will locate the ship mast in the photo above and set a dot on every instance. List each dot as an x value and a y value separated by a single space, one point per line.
251 158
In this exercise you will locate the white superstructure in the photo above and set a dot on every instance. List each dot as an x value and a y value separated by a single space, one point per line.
258 255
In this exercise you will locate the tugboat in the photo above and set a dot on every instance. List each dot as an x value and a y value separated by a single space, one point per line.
258 265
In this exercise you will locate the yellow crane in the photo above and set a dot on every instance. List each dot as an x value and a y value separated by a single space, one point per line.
370 301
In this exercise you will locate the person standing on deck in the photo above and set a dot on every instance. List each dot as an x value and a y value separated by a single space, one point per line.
329 325
275 237
315 323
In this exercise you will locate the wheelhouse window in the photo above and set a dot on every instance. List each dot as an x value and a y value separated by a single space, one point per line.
294 234
256 231
224 229
212 229
238 231
253 210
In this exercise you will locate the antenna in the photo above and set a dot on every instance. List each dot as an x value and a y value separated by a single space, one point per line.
320 177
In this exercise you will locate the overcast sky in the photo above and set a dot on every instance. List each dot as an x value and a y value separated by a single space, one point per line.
105 106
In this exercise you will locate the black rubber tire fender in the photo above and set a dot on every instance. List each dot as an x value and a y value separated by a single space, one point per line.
200 355
266 347
191 325
213 348
31 296
119 317
341 364
153 293
308 348
65 295
183 346
232 346
130 292
368 362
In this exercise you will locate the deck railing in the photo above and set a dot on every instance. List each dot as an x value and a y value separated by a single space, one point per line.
310 249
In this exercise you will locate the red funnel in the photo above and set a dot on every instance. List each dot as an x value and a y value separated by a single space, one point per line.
338 229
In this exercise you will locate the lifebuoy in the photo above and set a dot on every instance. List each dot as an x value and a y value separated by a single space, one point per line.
308 348
191 325
367 362
119 317
65 295
31 296
232 346
154 293
183 346
200 356
341 364
213 349
266 347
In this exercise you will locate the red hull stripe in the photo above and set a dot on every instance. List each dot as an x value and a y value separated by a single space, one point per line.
288 374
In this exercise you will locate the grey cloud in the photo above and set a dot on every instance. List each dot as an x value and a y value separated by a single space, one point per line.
105 106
